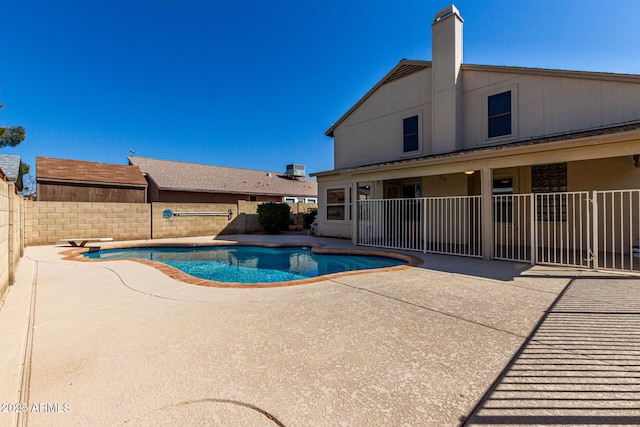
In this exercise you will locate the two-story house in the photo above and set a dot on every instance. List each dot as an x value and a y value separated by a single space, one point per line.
488 161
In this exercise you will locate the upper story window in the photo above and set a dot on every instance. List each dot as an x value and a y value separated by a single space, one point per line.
410 134
499 114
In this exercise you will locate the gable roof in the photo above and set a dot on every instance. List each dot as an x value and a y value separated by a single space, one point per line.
404 68
408 67
79 171
11 165
196 177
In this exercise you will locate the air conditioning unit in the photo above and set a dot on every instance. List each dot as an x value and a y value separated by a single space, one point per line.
295 171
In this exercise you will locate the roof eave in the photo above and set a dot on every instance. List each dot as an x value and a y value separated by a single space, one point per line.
264 193
41 180
480 153
591 75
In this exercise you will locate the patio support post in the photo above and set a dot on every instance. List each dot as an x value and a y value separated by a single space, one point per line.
486 203
354 213
534 229
595 262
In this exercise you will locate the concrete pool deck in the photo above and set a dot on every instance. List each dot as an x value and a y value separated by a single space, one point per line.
120 343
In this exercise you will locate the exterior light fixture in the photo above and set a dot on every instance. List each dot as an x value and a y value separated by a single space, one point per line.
469 172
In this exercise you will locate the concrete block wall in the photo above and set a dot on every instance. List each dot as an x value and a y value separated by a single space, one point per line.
11 233
248 216
48 222
45 223
194 225
28 223
299 209
4 238
16 230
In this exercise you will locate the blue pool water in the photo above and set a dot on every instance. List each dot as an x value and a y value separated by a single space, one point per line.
249 264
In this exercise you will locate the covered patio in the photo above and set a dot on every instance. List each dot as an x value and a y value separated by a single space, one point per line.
569 200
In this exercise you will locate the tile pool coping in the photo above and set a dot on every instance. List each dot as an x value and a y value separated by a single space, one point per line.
77 254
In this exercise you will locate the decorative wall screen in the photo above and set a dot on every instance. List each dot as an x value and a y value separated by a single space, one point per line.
550 179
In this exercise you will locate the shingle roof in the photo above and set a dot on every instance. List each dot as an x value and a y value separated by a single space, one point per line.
183 176
49 169
10 165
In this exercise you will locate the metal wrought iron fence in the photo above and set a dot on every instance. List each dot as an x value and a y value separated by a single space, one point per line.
599 229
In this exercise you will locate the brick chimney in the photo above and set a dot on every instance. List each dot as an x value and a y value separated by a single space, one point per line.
446 60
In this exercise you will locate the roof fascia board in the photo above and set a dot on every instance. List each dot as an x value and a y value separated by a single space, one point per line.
590 75
259 193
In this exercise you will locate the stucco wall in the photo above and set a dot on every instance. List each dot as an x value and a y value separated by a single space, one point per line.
445 185
547 104
373 132
617 173
550 103
328 227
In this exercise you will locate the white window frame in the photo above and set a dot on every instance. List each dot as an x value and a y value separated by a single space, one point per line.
346 204
514 115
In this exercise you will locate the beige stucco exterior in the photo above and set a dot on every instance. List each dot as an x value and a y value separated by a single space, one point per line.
367 135
587 120
547 102
550 103
584 173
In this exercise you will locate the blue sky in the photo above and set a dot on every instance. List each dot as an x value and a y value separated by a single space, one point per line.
256 84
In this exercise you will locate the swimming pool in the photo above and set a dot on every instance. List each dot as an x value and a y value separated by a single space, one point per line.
249 264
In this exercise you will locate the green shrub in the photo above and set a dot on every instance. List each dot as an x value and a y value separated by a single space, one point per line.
273 217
